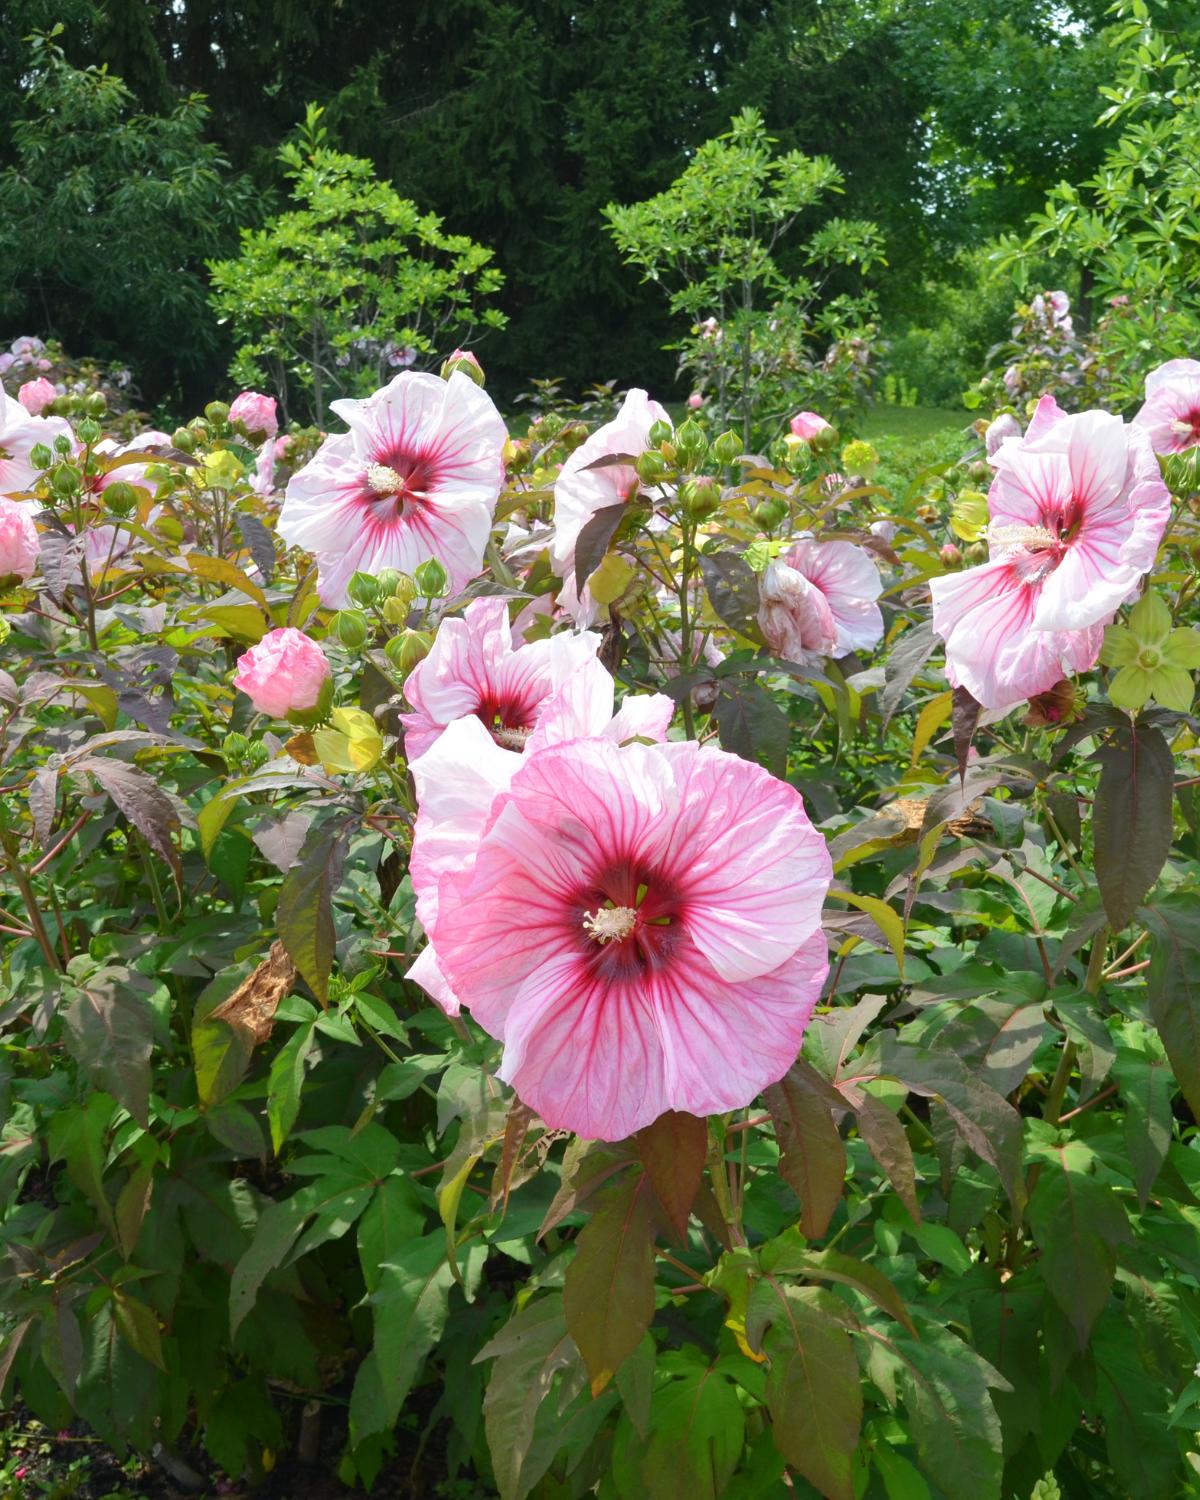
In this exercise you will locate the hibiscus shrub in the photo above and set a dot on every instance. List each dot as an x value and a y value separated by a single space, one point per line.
554 961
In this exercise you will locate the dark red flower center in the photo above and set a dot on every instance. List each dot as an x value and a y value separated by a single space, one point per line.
629 919
399 480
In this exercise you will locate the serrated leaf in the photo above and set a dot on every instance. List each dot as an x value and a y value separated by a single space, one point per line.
673 1151
304 916
608 1290
1173 986
142 801
109 1032
1077 1224
751 724
957 1432
1146 1087
812 1157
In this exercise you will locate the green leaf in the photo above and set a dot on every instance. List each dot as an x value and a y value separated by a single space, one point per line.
1132 818
608 1291
530 1350
1146 1087
109 1031
139 1327
394 1218
788 1255
1077 1223
409 1308
887 1141
1141 1447
988 1123
885 917
751 724
812 1157
286 1080
732 590
76 1135
698 1430
673 1151
900 1479
143 802
1173 986
813 1391
954 1424
304 916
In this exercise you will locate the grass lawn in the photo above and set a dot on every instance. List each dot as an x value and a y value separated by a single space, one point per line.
913 423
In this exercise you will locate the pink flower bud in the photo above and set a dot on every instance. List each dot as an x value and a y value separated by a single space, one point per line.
36 395
806 425
256 412
19 544
285 673
283 445
950 555
1005 426
465 363
695 401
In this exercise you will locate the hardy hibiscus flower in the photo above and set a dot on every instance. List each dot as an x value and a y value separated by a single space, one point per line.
1077 511
1171 414
640 928
819 600
417 476
580 491
459 777
472 668
20 434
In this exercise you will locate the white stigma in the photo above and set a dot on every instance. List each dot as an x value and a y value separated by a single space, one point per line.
610 923
1022 536
384 481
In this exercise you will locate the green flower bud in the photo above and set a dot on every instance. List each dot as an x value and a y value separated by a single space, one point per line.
463 362
517 455
701 498
364 589
217 412
727 447
62 444
88 431
825 440
40 456
66 479
234 747
650 467
404 589
574 436
769 513
120 497
182 439
408 648
199 429
96 404
691 444
395 611
660 433
431 579
350 627
387 579
257 754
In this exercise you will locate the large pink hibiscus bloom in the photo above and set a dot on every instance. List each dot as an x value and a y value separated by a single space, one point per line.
19 435
416 477
1171 414
641 929
472 668
819 600
581 491
1078 508
460 776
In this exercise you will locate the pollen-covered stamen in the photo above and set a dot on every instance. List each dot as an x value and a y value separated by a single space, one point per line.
610 924
1022 536
384 481
511 738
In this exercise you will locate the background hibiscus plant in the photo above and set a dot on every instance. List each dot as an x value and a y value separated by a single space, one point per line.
579 959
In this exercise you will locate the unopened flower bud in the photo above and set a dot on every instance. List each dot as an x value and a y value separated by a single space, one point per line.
120 497
257 754
650 467
517 454
199 429
40 456
574 436
217 412
977 552
405 650
395 611
691 443
431 579
701 498
182 439
769 513
727 447
950 555
824 440
234 746
463 362
96 404
88 431
349 626
66 479
62 444
660 433
286 675
364 589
